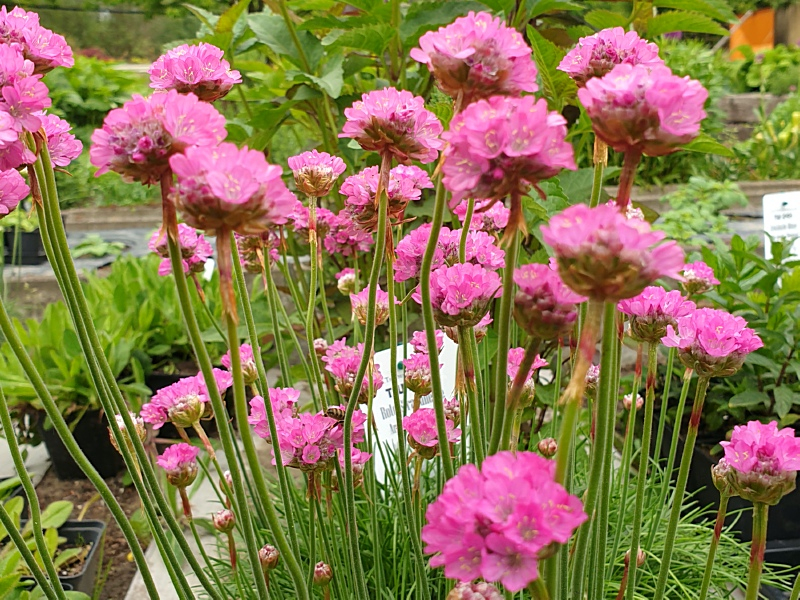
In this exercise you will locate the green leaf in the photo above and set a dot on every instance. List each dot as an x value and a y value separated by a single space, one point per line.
709 9
539 7
705 144
207 18
559 89
71 343
229 18
425 16
754 358
373 39
503 6
56 514
784 399
682 21
271 31
332 78
749 398
603 19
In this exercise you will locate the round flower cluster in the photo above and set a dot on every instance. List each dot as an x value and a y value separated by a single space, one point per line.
597 54
198 69
763 461
635 108
477 56
139 430
712 342
360 304
253 249
653 310
13 189
345 237
515 356
46 50
544 307
604 255
423 436
499 521
342 362
417 373
225 187
284 402
249 369
491 217
195 250
698 278
480 329
405 185
461 294
315 172
63 146
394 122
419 341
184 402
138 139
180 463
346 281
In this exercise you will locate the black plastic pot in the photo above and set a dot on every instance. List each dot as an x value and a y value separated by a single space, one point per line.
91 433
31 250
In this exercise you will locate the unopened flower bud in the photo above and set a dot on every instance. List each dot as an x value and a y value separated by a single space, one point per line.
138 425
592 378
187 411
627 401
224 521
320 347
548 447
360 304
719 475
480 590
322 574
316 172
269 557
179 462
641 557
346 281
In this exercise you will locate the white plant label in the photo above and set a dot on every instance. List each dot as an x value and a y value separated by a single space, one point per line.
782 220
383 404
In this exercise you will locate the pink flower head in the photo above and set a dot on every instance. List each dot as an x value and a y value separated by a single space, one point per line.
197 69
46 50
13 190
13 154
461 294
515 356
500 146
315 172
195 250
478 56
180 463
230 188
182 404
544 307
479 590
342 362
300 221
222 379
419 341
423 434
249 369
345 237
305 442
641 109
411 249
405 185
255 248
284 408
698 278
763 461
602 254
360 303
417 373
713 342
138 139
62 145
595 55
651 311
496 523
346 281
24 100
394 121
487 216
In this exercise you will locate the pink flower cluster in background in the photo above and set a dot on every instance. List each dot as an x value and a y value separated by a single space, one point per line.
345 237
195 250
653 310
285 407
544 307
20 30
342 362
487 216
360 304
460 295
249 368
423 435
419 341
698 278
13 189
315 172
199 69
183 402
62 145
417 373
499 521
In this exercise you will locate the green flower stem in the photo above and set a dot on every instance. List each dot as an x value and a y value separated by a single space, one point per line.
312 295
408 511
371 486
61 427
795 589
366 359
605 412
644 459
512 409
712 551
757 547
55 242
680 486
556 392
673 449
573 395
430 327
538 590
204 554
312 531
33 500
27 555
462 242
481 405
662 416
629 164
272 302
323 300
503 345
474 408
332 556
600 161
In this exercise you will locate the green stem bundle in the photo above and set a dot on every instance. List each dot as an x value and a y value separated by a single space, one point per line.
757 548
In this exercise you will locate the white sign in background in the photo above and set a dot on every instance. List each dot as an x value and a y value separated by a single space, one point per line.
383 404
782 219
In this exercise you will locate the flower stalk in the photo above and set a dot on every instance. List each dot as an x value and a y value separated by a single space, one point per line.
757 548
512 415
468 361
712 550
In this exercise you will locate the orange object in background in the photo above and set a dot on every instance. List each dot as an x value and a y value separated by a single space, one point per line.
758 32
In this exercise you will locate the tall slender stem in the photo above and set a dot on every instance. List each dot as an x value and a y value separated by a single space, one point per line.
795 588
712 550
512 402
473 407
538 590
503 345
600 161
27 555
757 548
626 178
644 459
430 326
680 486
662 415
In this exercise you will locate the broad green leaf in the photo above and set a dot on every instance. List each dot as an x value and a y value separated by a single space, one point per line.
425 16
373 39
709 9
71 343
539 7
784 399
749 398
332 78
503 6
271 30
229 18
683 21
77 596
603 19
67 555
207 18
56 514
705 144
754 358
558 87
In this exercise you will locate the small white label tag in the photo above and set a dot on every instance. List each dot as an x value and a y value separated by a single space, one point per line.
782 219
